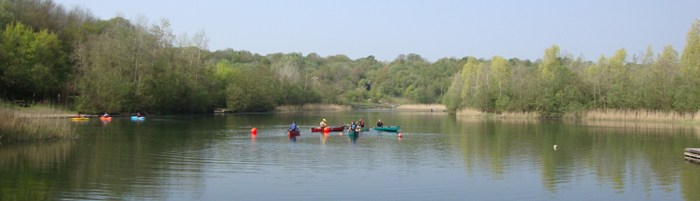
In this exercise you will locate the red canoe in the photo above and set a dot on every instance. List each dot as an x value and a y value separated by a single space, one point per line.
319 129
294 133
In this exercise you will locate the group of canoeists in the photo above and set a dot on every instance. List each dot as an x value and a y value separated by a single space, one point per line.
323 126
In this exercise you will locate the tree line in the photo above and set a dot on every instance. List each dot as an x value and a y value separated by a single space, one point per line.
49 53
560 84
116 65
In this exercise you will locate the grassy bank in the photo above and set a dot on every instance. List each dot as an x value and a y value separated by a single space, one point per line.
31 124
594 115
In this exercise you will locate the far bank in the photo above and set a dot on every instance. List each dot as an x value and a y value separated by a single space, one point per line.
338 107
599 114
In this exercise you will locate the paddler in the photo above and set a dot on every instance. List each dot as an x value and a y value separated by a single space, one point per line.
323 123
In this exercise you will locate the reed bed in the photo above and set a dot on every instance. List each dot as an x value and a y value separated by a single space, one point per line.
470 112
638 115
313 107
423 107
600 114
32 124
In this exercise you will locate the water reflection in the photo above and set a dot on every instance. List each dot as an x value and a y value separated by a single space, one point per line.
19 165
35 155
353 136
324 138
443 157
292 136
620 155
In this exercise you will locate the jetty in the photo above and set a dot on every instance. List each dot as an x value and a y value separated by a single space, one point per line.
692 155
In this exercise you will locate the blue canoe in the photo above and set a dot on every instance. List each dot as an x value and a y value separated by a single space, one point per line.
137 118
388 128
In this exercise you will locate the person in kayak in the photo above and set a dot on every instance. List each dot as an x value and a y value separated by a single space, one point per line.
380 123
362 123
293 126
323 123
353 126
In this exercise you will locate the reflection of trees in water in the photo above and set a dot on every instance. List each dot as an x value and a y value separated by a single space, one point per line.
119 163
689 180
35 155
22 167
617 153
144 160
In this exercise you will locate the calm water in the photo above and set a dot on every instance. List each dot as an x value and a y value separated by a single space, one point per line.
440 157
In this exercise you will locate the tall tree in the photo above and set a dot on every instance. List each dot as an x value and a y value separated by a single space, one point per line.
687 98
558 91
452 98
663 72
502 77
619 94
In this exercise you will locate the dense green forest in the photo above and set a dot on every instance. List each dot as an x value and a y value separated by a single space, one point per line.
67 56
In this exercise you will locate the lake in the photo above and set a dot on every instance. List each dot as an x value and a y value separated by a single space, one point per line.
439 157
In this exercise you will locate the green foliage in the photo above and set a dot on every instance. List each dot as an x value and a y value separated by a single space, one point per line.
453 98
560 89
690 60
415 78
6 14
252 90
33 65
137 68
501 78
687 98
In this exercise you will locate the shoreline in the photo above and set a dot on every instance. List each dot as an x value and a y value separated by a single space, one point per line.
312 107
422 107
593 115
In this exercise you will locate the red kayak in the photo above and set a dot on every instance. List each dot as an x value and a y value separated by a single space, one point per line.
293 133
319 129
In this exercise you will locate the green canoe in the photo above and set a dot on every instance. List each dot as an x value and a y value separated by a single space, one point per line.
388 128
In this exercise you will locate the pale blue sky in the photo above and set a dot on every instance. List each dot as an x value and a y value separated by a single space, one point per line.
433 29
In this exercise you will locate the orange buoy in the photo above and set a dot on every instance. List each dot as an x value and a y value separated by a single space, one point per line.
326 130
254 131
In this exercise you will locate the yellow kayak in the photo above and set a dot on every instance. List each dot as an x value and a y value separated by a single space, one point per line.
79 118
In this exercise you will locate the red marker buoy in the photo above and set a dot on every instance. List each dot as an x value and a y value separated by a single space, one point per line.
254 131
